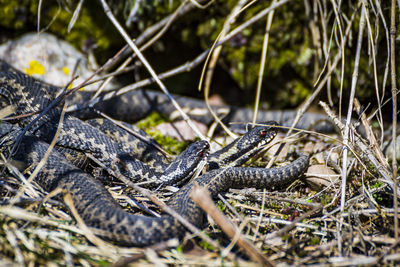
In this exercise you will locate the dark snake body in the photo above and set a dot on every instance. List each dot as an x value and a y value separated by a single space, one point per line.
29 95
92 201
135 105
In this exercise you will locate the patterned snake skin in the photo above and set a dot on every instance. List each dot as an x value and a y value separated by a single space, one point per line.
92 201
28 95
134 105
100 211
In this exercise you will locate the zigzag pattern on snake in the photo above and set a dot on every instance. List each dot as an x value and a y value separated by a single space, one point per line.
136 104
93 202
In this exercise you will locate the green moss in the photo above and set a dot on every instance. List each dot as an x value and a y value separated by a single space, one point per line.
179 249
314 241
206 245
295 93
85 28
325 199
171 145
151 120
376 185
221 206
378 198
14 14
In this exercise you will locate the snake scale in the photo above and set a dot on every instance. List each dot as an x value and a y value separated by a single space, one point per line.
92 201
136 104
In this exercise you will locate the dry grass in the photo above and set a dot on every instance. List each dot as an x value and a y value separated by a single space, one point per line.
345 215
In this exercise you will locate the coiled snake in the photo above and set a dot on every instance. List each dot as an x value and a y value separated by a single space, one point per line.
95 205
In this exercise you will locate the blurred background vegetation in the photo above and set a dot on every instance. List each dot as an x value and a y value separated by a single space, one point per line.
302 36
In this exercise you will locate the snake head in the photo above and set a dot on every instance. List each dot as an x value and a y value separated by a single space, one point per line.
244 147
258 136
187 163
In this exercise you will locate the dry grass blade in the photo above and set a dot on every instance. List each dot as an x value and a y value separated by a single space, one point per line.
21 214
211 62
366 154
75 15
123 66
202 198
348 119
149 68
43 160
394 111
262 62
260 216
342 47
373 51
5 112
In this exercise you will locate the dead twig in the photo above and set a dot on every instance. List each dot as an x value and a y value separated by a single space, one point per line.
366 152
348 121
124 65
394 110
125 35
211 62
263 59
124 261
202 197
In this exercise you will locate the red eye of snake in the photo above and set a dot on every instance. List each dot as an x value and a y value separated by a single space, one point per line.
263 133
200 154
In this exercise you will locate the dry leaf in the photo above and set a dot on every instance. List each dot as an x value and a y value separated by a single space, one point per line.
321 175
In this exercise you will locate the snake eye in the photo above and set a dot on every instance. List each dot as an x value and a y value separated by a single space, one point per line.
200 154
263 133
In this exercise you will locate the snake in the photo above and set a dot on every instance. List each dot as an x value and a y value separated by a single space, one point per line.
134 105
28 95
92 201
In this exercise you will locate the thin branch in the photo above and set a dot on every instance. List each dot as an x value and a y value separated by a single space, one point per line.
149 68
202 197
347 126
124 65
394 111
43 161
263 59
366 153
211 62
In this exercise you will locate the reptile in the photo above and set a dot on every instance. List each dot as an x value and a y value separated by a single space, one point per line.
134 105
137 104
100 211
96 207
28 95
